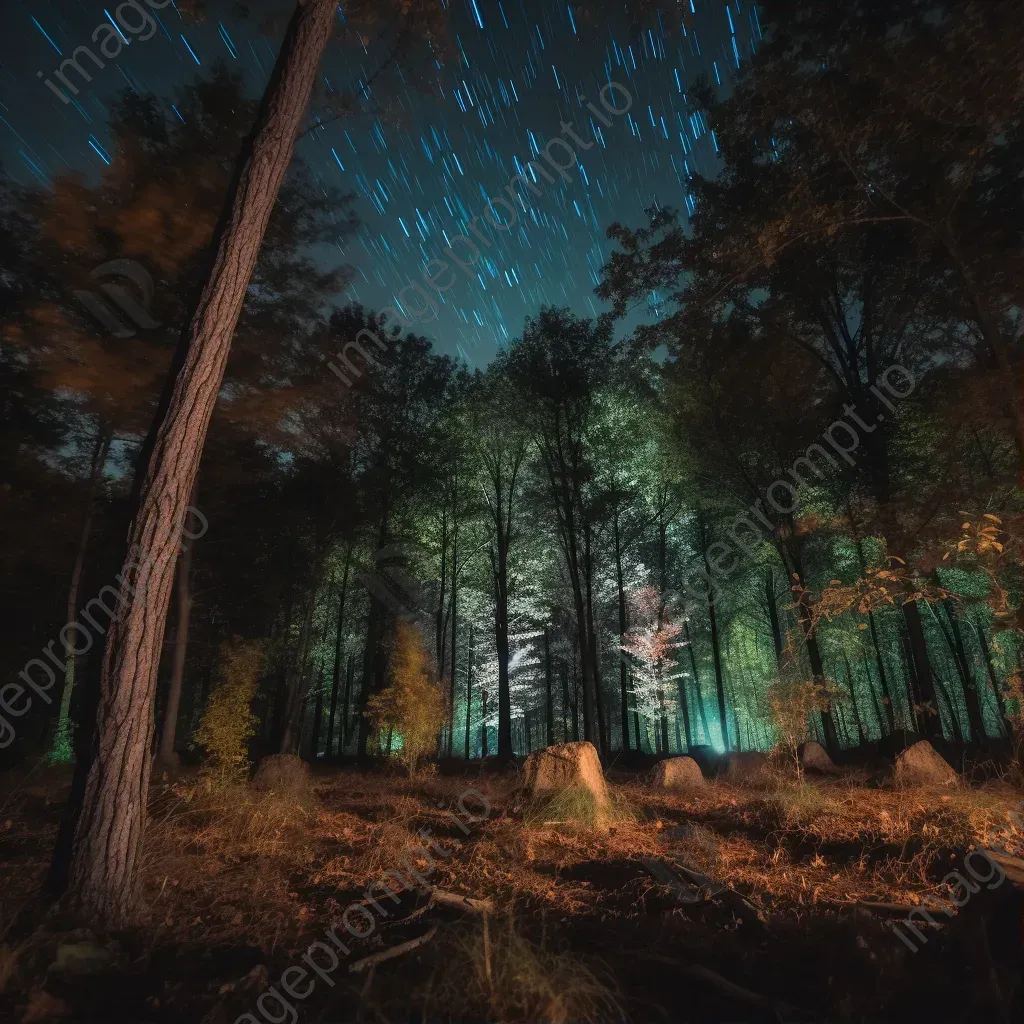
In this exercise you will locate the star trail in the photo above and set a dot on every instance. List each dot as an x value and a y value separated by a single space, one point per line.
425 150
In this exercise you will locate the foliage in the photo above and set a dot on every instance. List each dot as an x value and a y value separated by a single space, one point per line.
412 704
228 721
791 703
652 645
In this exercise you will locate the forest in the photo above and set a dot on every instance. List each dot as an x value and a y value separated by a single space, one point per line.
767 498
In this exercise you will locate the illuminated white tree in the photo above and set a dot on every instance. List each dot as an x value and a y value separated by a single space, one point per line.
651 645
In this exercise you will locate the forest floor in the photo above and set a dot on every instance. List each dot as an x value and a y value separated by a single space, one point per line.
583 924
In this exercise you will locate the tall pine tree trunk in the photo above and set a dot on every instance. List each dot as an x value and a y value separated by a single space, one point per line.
109 823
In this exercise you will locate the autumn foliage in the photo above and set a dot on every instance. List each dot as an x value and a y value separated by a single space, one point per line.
228 721
411 707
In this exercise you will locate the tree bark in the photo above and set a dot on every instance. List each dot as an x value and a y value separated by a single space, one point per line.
103 873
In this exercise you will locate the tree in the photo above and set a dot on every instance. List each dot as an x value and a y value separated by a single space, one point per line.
228 721
103 870
411 707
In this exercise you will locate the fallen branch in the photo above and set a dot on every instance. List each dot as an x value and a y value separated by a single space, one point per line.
1012 866
742 905
662 873
392 952
455 901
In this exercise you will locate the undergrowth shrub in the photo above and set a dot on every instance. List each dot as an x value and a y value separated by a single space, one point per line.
411 707
228 721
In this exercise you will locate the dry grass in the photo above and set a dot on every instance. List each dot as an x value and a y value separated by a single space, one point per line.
235 868
489 971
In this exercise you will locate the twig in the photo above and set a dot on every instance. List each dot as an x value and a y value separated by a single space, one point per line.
393 951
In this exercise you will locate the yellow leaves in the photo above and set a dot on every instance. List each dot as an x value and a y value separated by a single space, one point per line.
412 704
228 721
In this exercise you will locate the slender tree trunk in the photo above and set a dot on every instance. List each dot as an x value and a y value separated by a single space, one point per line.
922 669
549 698
166 755
696 681
857 717
483 725
890 711
469 687
499 558
623 673
108 825
346 724
339 635
955 641
723 722
563 676
440 632
684 707
291 739
773 617
61 747
318 707
595 656
455 615
993 678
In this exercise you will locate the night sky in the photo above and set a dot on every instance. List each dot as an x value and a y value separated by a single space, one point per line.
423 160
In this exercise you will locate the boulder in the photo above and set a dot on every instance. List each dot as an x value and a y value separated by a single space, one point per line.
565 766
922 765
283 774
677 773
814 758
745 766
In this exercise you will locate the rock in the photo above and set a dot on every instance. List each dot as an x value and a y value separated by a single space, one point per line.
745 766
677 773
565 766
814 758
922 765
284 774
